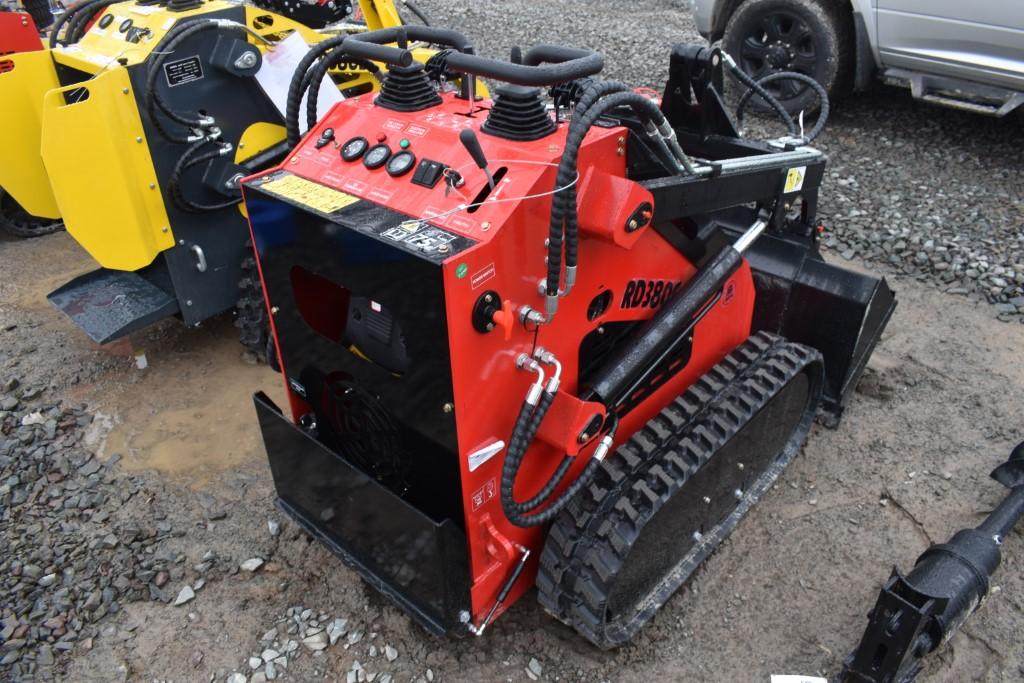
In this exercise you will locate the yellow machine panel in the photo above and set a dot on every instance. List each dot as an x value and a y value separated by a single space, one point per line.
22 173
99 121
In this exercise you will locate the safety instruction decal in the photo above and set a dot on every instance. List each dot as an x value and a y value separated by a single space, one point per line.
795 179
308 193
183 71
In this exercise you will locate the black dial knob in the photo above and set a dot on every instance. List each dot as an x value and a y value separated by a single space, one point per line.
401 163
376 156
354 148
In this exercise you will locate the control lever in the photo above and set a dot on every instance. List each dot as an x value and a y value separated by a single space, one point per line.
469 140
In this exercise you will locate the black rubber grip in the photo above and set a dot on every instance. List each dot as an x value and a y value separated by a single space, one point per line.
373 44
470 141
587 64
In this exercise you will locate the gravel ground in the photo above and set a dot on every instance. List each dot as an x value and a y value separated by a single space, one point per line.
138 538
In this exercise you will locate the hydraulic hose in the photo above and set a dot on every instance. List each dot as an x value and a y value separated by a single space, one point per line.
319 73
189 160
792 76
67 16
519 513
300 83
568 170
153 97
78 23
417 11
742 76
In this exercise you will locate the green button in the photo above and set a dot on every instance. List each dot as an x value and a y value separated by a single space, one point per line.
404 144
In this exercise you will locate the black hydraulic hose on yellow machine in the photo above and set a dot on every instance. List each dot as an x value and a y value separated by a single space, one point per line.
319 72
300 83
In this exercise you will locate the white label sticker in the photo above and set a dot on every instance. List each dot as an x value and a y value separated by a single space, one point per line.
275 77
482 455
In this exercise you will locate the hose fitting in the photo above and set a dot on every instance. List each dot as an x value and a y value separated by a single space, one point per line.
603 448
524 362
570 279
548 358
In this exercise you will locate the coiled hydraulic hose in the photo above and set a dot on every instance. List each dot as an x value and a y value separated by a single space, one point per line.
818 89
300 83
744 78
190 159
78 23
526 426
319 73
67 16
153 98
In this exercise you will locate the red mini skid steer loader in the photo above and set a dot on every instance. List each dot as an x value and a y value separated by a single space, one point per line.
565 343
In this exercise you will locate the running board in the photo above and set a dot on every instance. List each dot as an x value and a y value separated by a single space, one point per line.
977 98
110 304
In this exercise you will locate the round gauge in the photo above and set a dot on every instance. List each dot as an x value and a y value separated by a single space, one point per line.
376 156
125 25
106 20
401 163
354 148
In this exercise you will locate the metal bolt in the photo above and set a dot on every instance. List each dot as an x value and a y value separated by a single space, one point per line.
707 501
246 60
464 616
490 326
738 493
633 225
181 242
274 310
138 139
488 298
697 536
622 140
447 407
124 90
165 229
152 186
189 302
485 226
740 465
443 248
583 437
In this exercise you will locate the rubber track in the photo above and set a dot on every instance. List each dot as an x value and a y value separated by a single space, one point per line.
23 225
251 311
589 541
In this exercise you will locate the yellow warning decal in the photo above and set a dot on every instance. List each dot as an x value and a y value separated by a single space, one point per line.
795 179
308 193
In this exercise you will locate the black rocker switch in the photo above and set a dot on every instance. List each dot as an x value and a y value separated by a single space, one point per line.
428 173
325 137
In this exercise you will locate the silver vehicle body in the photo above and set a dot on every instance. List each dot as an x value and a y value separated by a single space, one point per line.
964 53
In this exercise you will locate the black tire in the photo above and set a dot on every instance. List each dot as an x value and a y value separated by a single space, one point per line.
40 12
20 223
628 541
811 37
251 314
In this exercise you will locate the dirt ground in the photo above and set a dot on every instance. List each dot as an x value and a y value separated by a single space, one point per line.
941 404
939 407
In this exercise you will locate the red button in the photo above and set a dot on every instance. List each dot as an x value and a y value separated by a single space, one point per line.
381 137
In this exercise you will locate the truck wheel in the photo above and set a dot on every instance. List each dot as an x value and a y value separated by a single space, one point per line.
811 37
